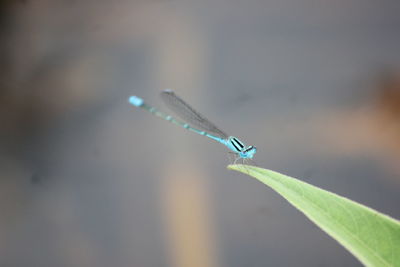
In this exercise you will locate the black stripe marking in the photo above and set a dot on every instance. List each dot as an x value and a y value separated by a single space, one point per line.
238 143
248 149
233 143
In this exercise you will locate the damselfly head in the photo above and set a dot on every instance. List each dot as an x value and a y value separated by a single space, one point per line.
249 152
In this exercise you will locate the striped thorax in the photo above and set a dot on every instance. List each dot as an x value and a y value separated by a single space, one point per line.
238 147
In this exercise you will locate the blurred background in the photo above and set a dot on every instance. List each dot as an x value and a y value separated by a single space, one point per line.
88 180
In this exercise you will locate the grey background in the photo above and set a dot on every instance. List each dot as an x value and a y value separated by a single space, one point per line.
87 180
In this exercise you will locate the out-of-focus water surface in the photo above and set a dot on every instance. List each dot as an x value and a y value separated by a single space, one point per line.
87 180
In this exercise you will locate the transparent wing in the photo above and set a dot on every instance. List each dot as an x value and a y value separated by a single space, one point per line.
187 113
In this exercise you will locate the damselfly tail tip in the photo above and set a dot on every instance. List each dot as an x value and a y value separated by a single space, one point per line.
136 101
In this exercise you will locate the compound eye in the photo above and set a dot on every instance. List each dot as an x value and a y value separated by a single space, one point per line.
249 148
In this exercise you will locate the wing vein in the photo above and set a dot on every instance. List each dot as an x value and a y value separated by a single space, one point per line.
191 116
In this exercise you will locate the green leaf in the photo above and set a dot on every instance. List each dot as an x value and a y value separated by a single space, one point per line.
372 237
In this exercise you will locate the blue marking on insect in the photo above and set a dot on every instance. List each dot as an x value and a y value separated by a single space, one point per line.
136 101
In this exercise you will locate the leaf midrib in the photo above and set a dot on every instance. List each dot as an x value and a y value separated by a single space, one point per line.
327 216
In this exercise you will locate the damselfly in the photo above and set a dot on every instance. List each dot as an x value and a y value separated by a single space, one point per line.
195 122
